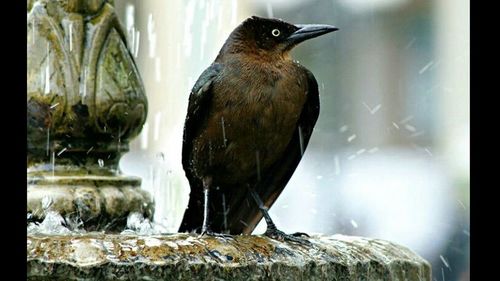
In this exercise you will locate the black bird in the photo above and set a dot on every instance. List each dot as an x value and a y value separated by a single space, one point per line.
249 120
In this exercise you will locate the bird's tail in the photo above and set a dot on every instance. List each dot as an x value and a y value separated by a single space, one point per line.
193 216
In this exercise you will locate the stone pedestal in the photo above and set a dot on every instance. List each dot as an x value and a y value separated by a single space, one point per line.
85 102
185 257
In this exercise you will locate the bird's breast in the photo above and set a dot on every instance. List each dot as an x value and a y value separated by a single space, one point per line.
251 122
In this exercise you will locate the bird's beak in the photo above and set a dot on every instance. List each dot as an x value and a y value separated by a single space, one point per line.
309 31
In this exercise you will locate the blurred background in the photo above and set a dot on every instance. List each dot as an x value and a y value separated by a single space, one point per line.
389 157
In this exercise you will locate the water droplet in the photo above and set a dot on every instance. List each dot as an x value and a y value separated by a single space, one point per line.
354 224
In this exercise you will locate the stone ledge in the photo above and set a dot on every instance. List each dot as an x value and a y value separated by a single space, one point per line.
187 257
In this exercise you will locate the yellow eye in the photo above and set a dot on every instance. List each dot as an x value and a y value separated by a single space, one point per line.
275 32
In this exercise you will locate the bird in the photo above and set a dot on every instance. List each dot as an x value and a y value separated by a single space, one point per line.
249 119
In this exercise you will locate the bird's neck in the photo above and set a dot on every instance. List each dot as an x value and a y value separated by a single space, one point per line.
255 58
249 51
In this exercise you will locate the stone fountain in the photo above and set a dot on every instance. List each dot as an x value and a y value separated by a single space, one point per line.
85 102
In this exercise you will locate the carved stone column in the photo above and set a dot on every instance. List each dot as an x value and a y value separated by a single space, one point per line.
85 102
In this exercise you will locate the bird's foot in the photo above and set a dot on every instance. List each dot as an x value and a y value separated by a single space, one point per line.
296 237
209 232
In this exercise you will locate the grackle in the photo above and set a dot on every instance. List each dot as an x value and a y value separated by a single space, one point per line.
249 120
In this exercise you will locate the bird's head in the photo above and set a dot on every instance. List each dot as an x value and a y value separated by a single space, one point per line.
265 36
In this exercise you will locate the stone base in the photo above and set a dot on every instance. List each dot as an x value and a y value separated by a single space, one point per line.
100 202
188 257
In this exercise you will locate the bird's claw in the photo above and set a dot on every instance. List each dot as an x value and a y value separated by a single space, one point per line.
301 234
281 236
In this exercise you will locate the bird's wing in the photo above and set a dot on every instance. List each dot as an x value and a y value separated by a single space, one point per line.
199 101
277 176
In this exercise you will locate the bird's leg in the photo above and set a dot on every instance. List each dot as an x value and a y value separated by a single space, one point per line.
205 228
207 182
272 231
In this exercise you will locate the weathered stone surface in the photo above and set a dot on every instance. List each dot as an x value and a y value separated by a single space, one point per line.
100 202
187 257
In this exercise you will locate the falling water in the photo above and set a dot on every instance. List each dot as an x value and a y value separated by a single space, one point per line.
61 152
269 9
145 136
48 141
225 212
374 109
234 12
119 139
188 36
257 161
84 82
137 38
53 160
157 69
71 36
337 165
33 29
156 132
223 131
47 72
301 140
151 36
351 138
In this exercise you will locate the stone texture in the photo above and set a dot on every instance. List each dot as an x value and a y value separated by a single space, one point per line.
187 257
101 202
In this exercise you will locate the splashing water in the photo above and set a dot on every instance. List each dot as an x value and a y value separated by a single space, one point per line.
46 202
52 224
138 225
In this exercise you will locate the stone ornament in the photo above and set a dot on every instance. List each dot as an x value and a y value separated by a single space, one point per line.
85 102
